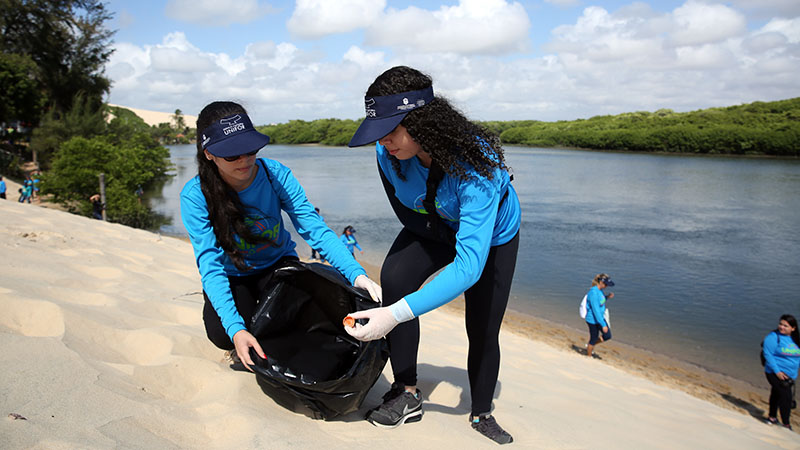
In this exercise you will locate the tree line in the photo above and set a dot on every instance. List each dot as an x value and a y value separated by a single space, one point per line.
52 59
759 128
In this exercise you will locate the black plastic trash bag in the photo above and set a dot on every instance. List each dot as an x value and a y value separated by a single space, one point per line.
311 361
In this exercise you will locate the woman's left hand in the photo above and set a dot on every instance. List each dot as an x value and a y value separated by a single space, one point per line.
380 322
374 289
782 376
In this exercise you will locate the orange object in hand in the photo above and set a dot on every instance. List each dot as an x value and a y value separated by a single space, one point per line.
349 322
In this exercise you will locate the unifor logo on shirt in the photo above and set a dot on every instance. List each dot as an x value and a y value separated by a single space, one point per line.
259 226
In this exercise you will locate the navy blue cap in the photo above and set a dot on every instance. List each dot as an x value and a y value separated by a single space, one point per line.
385 113
233 136
607 281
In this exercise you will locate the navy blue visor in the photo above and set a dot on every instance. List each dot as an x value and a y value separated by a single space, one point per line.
233 136
385 113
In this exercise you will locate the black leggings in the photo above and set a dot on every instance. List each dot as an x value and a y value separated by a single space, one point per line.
246 292
410 262
780 396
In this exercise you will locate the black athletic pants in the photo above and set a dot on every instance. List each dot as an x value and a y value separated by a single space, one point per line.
246 292
410 261
780 397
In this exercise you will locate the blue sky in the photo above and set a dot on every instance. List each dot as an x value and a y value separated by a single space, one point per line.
495 59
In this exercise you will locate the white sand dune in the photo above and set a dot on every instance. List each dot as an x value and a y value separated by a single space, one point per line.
156 117
102 346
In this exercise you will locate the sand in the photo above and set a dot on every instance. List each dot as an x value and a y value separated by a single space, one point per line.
156 117
102 346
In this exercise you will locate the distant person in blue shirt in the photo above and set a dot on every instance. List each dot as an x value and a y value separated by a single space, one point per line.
349 239
781 362
596 311
466 224
2 188
232 211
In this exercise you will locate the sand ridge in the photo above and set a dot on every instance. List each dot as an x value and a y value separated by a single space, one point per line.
102 345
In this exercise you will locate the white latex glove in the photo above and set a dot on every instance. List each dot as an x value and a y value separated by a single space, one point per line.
374 289
381 322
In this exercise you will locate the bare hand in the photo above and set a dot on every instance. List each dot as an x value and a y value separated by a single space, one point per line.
242 341
610 296
782 376
605 329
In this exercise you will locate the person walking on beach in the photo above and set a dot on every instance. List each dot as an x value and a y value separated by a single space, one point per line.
2 188
27 190
781 350
349 240
447 182
232 212
596 312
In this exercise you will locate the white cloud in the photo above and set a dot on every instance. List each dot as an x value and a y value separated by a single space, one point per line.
602 62
471 27
216 13
697 23
314 19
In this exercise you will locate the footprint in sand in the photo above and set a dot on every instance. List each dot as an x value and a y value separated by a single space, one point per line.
32 317
103 273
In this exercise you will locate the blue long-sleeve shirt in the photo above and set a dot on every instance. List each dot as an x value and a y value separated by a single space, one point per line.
596 306
263 201
350 242
781 354
471 208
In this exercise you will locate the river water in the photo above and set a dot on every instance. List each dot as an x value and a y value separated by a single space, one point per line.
705 251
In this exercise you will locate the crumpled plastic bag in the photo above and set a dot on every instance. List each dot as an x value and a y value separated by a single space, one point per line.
311 361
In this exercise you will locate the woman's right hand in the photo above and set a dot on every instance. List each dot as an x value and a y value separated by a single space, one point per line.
605 329
242 341
782 376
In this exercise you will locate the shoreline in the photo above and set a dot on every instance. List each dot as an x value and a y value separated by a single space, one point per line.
720 389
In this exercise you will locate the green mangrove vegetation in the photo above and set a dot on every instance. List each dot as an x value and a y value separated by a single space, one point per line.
759 128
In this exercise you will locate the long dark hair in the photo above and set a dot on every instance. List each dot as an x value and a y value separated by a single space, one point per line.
440 129
225 210
792 323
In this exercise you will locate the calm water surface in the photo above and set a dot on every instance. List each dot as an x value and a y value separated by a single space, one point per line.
705 251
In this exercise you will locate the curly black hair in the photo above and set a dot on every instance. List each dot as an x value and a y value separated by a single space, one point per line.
441 130
225 210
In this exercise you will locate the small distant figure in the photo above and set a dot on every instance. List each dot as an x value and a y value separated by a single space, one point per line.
313 250
139 193
349 240
35 184
596 318
781 358
26 191
97 207
2 188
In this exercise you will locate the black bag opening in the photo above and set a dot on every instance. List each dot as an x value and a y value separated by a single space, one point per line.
311 361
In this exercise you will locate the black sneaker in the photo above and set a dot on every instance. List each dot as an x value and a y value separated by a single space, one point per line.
399 406
487 426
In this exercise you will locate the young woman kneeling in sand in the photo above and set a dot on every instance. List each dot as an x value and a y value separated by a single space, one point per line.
232 211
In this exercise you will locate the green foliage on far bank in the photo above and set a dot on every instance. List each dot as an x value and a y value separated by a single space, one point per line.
759 128
124 151
336 132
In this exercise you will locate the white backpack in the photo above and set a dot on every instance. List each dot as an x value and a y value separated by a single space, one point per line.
582 308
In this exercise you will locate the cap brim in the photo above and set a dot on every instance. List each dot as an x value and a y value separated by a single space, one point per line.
239 144
372 130
609 283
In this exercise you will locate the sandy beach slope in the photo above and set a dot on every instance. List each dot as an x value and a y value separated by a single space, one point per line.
102 346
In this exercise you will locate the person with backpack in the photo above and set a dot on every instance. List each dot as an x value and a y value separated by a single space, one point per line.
448 184
232 212
781 359
595 314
